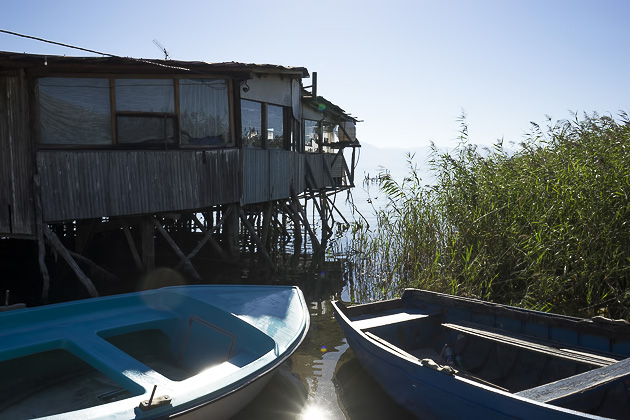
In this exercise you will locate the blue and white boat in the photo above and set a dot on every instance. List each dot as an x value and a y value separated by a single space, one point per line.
443 356
191 352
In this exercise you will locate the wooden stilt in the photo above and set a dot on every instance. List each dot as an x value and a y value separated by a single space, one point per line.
148 243
41 244
175 248
93 266
58 246
231 231
85 231
266 223
252 231
208 236
316 245
132 247
332 204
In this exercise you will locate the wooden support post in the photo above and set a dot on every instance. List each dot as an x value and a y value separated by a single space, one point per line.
266 223
85 231
132 247
332 204
323 215
208 236
297 227
230 230
148 243
175 248
252 231
41 244
95 267
316 245
58 246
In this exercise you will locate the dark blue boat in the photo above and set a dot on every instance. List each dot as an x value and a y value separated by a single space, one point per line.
443 357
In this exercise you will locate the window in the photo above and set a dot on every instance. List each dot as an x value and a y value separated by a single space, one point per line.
275 127
145 111
75 110
329 136
311 135
204 111
251 123
79 111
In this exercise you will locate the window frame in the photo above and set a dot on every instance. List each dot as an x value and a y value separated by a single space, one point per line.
114 113
287 126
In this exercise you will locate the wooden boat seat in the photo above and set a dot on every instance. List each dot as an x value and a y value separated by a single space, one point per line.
547 347
578 383
388 319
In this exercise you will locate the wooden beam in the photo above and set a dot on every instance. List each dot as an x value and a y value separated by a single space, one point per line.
65 254
148 244
132 247
208 236
332 204
261 246
94 266
302 213
175 248
41 244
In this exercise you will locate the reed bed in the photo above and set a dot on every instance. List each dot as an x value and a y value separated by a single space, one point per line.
545 226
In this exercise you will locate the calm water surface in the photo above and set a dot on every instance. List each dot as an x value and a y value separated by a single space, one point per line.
323 379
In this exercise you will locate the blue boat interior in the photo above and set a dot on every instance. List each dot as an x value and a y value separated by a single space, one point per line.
108 354
545 357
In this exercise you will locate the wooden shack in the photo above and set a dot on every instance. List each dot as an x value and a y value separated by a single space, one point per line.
148 148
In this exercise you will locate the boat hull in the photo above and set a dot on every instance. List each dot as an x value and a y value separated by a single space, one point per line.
199 351
427 387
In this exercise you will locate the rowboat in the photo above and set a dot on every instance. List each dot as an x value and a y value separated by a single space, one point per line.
443 356
191 352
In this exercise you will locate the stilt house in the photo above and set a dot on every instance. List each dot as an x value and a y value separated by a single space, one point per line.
143 147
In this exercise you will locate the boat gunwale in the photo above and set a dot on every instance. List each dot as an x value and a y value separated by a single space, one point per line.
343 314
268 361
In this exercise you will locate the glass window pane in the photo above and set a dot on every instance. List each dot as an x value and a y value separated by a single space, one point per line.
145 95
74 111
251 123
275 127
311 135
132 129
204 111
330 136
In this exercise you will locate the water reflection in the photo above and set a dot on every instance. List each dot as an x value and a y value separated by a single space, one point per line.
323 380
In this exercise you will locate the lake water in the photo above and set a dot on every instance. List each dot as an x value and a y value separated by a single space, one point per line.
323 379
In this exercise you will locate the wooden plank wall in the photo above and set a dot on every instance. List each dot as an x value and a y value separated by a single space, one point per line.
255 176
89 184
269 175
16 180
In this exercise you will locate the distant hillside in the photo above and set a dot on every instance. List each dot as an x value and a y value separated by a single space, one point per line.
373 160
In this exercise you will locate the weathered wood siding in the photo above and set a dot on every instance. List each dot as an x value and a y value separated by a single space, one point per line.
16 180
88 184
320 174
269 175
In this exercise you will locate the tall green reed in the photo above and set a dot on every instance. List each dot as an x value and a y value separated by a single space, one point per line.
545 227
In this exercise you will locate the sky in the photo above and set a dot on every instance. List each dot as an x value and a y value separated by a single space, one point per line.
407 69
